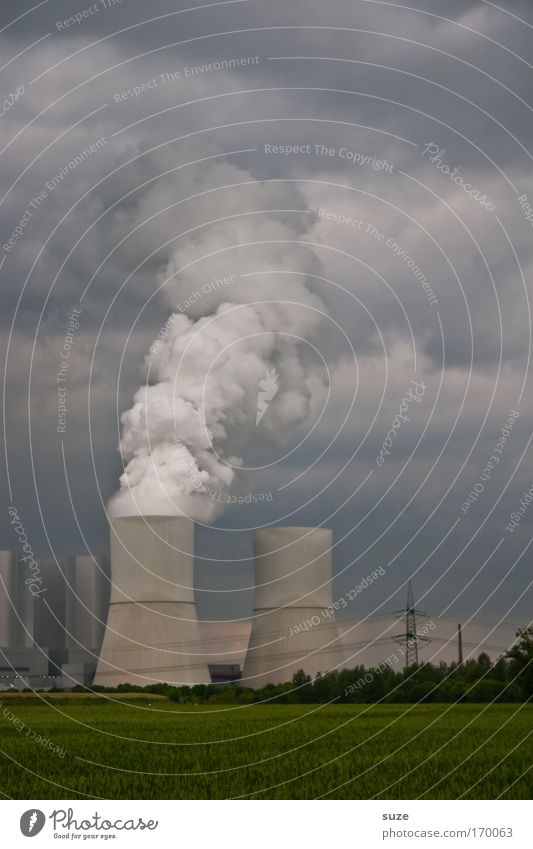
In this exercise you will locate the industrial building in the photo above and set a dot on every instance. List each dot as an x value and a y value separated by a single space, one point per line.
152 632
49 608
294 621
134 620
224 673
87 601
21 665
52 639
13 616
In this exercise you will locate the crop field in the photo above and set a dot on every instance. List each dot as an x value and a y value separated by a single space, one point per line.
155 749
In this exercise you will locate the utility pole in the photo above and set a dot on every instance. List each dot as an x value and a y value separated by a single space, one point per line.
460 640
410 638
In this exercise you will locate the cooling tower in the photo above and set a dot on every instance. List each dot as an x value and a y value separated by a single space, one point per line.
294 622
11 601
152 632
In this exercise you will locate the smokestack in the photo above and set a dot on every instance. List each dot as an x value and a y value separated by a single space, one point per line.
152 632
11 601
294 621
49 608
87 601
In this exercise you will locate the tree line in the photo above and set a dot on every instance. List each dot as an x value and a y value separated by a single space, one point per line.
509 679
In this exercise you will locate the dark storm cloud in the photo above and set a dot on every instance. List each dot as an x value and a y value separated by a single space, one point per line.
387 85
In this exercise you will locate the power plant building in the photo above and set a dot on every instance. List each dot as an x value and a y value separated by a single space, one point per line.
49 606
13 620
294 622
134 620
22 665
87 600
58 641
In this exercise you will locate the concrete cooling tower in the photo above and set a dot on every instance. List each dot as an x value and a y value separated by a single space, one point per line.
294 623
152 632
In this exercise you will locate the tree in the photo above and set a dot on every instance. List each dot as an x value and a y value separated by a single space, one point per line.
484 663
302 691
300 679
490 690
521 657
499 673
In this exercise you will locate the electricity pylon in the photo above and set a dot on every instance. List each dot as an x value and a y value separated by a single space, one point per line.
411 637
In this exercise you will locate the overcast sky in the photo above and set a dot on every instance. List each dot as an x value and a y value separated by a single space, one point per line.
159 162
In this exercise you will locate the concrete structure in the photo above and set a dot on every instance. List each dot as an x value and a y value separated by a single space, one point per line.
27 668
87 601
70 614
12 602
49 606
294 622
224 673
87 593
22 665
62 646
152 632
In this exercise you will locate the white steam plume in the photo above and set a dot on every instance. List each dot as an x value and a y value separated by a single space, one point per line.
182 439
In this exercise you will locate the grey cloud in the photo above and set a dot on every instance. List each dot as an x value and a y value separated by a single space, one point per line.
311 182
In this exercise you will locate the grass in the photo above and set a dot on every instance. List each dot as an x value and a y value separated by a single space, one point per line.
159 750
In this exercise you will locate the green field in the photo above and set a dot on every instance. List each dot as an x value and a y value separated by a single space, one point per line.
158 750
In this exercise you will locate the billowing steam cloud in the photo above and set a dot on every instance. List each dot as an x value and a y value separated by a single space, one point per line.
227 368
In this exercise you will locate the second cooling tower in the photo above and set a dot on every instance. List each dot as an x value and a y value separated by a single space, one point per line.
294 626
152 632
